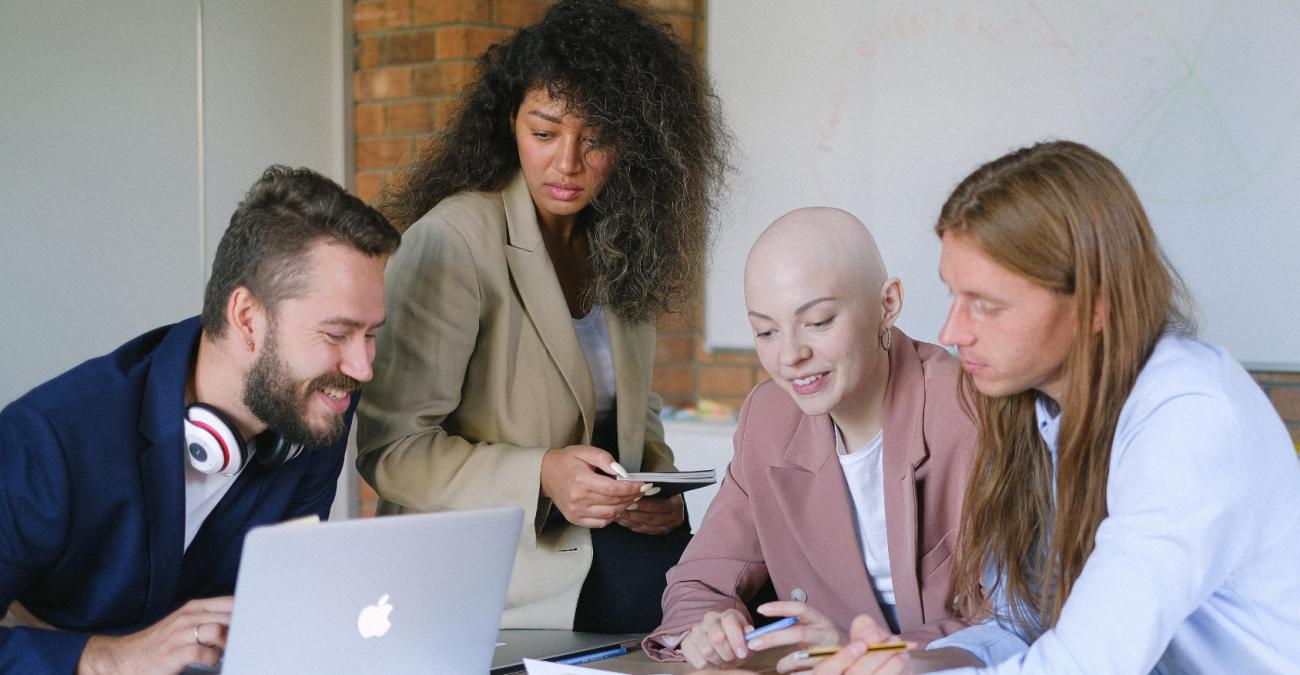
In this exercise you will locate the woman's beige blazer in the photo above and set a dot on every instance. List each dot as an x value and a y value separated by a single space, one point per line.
479 372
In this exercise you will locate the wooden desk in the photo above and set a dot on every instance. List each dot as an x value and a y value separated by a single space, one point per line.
637 663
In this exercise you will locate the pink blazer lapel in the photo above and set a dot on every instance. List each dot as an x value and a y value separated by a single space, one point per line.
904 451
810 491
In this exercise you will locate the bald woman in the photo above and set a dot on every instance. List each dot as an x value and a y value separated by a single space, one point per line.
849 465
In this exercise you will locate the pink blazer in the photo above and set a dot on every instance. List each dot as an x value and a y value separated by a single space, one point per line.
784 509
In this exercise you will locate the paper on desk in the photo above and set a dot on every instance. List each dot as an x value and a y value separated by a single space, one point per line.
535 667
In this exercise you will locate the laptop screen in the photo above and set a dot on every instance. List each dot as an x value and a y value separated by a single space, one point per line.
411 593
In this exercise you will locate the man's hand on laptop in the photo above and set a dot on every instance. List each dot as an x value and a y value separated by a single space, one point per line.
195 633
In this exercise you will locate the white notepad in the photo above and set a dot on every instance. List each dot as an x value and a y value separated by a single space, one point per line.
674 482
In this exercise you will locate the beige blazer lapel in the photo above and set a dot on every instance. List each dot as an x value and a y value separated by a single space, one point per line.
811 492
539 290
904 451
627 343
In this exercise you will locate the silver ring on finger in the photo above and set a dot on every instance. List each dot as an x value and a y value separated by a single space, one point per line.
197 641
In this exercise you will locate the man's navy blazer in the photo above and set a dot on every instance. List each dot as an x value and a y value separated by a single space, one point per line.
92 502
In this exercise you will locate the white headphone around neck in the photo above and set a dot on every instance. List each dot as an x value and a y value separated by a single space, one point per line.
213 445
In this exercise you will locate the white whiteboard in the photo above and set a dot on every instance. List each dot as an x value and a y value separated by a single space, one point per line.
880 108
129 131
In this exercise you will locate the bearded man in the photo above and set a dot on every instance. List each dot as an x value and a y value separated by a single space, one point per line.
127 483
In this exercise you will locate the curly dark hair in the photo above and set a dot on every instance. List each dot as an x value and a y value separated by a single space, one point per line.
648 100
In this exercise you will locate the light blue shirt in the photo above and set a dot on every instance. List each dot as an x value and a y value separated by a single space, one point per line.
1196 569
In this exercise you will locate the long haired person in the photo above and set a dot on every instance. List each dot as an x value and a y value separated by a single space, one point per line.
564 208
1135 503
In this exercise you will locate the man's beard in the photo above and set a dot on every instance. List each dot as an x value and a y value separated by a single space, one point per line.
275 397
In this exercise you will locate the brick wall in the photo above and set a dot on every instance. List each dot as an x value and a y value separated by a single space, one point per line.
1283 390
412 58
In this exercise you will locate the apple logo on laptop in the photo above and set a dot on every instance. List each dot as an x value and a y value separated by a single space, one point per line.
373 620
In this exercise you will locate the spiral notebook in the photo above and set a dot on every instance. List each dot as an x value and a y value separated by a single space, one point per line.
674 482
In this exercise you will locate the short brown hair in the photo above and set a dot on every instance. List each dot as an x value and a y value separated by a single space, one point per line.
284 213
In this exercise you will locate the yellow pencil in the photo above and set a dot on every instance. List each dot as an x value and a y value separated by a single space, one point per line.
820 652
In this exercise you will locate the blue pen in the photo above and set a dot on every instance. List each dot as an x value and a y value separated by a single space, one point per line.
774 626
593 656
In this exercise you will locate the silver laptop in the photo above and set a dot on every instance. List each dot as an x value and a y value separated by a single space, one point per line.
516 644
397 594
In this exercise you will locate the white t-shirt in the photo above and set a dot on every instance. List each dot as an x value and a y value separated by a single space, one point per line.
865 472
202 494
594 336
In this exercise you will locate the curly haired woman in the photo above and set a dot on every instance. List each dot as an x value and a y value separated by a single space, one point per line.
564 208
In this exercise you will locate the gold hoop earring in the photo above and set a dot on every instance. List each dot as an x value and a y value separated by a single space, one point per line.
886 339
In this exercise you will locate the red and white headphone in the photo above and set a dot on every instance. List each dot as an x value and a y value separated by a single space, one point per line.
213 445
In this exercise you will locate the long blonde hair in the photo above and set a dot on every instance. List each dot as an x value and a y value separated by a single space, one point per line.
1063 216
